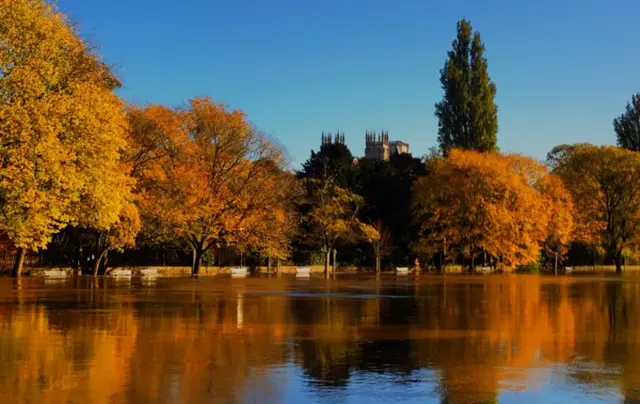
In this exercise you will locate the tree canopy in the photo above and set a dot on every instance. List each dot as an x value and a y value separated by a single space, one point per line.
333 216
333 160
211 178
62 132
472 203
605 184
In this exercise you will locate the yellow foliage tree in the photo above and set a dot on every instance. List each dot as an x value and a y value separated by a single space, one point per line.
472 203
605 184
333 216
62 126
380 240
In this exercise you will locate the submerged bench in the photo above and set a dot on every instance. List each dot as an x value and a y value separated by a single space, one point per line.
55 273
149 272
238 272
303 271
121 273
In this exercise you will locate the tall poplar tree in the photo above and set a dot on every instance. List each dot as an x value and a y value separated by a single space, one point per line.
627 125
467 115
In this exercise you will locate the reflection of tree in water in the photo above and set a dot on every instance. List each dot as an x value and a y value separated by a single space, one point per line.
452 337
189 350
326 348
42 363
337 336
480 335
608 352
212 347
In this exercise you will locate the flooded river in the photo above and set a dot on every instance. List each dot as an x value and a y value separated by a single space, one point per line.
354 340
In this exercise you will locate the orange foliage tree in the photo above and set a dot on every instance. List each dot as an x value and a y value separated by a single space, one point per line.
271 236
156 138
62 128
208 176
560 227
472 203
605 184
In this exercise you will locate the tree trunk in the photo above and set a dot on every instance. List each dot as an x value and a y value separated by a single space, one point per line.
96 264
327 257
555 265
377 263
268 265
19 263
197 260
470 256
618 260
78 258
333 263
104 263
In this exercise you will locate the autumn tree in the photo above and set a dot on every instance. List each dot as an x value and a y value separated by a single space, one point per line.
155 140
220 180
560 226
62 126
472 203
627 125
380 241
605 184
271 235
332 216
467 115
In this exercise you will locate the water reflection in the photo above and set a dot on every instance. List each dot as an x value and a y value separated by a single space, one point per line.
452 339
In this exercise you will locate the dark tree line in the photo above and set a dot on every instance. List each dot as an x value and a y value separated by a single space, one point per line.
385 187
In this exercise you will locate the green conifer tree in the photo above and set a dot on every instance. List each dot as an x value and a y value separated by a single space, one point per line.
627 125
467 115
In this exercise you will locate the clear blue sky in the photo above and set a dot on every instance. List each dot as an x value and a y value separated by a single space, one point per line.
563 69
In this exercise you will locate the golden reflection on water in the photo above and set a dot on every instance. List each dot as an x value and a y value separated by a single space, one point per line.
278 339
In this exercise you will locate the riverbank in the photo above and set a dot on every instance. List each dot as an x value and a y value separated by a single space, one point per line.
180 271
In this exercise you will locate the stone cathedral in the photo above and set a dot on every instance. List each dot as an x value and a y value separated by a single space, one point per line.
377 145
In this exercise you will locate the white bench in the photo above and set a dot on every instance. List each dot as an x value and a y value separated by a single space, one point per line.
55 273
239 272
120 273
402 270
149 272
486 269
568 270
303 271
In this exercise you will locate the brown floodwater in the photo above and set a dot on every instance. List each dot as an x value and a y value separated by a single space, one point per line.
494 338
